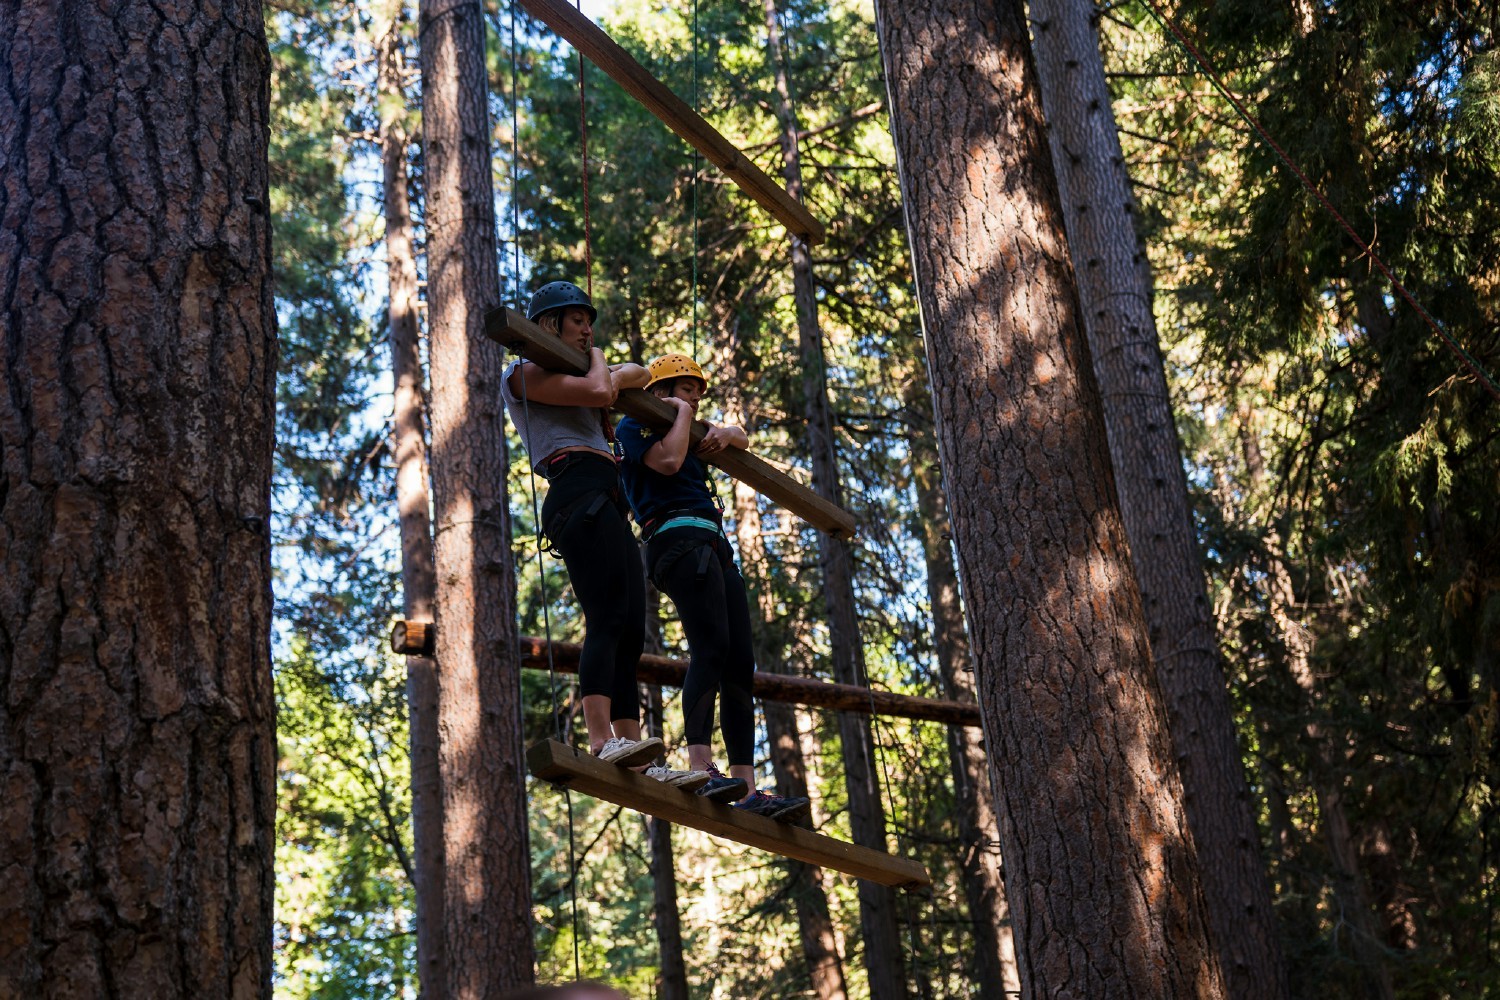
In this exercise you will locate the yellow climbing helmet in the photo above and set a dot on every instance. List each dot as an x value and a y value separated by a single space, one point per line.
675 366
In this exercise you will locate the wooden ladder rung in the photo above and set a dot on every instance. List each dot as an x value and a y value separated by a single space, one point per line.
637 81
564 765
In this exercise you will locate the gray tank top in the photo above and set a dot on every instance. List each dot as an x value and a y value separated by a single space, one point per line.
551 428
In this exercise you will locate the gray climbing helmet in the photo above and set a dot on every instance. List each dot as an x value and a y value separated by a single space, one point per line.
559 295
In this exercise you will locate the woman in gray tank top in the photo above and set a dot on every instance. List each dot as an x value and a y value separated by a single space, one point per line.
564 423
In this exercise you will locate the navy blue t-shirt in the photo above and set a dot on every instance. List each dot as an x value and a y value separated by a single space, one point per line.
650 493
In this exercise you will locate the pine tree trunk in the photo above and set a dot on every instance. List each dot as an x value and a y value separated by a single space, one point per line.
994 945
1116 294
1327 778
137 385
877 903
672 981
487 887
418 574
1101 872
819 944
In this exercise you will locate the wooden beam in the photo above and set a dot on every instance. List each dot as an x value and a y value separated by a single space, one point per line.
563 765
521 336
772 687
637 81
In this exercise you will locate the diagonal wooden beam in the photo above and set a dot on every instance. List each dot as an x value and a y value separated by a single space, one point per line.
572 768
637 81
771 687
521 336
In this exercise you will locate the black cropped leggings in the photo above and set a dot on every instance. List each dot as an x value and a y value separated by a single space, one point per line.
583 516
695 568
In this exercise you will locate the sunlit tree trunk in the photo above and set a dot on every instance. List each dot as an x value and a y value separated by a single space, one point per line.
1101 873
1115 291
994 945
487 875
877 904
137 386
418 575
809 895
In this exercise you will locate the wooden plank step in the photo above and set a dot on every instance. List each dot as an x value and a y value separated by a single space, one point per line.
637 81
521 336
772 687
563 765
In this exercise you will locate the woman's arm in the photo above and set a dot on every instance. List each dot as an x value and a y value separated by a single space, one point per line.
629 376
666 456
597 388
721 437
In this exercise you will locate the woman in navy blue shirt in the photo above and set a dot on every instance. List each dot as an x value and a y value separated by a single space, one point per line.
689 558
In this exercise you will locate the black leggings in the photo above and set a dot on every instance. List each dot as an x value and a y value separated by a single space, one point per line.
584 518
695 568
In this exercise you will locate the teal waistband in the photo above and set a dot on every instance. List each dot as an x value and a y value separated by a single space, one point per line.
690 522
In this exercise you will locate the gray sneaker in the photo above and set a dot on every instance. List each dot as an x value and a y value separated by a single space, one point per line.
631 753
688 781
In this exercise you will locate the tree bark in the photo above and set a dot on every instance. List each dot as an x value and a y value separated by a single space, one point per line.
1102 875
137 386
877 903
1328 780
418 572
820 947
487 887
672 982
1116 293
979 832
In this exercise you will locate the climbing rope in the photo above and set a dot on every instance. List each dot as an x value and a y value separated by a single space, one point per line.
583 142
1466 359
536 515
697 168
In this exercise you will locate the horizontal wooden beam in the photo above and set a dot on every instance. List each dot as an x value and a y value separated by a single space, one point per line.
521 336
563 765
637 81
772 687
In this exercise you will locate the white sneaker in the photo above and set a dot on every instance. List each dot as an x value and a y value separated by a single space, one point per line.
630 753
688 781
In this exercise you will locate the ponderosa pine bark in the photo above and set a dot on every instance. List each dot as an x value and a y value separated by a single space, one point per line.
879 933
1101 872
671 982
820 948
973 779
486 856
137 385
1116 293
418 570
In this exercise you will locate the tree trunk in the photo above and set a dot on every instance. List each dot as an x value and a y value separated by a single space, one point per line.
418 575
1101 873
1327 778
137 385
994 946
1116 294
877 903
672 981
819 944
487 881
